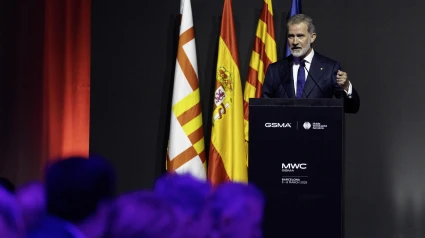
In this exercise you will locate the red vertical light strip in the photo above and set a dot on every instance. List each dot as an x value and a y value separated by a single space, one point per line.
66 114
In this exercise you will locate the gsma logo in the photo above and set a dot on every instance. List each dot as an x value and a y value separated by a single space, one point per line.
292 166
276 125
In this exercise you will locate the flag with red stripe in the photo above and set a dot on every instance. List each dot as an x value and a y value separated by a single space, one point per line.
227 156
263 53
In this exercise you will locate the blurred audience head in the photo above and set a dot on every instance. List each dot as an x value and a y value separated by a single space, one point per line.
144 214
11 223
189 196
237 211
32 202
80 190
7 185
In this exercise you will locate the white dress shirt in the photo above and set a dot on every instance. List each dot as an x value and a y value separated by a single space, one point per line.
295 68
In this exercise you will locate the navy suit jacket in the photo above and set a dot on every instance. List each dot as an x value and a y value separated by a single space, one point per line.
320 82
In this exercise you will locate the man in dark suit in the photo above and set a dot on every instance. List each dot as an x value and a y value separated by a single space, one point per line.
306 73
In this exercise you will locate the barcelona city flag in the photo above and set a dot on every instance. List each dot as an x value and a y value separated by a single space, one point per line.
186 150
227 155
263 54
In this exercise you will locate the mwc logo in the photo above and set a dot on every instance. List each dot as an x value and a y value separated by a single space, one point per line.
293 166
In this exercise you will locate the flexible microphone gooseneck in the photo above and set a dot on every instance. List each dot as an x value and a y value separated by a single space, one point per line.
280 83
338 94
309 75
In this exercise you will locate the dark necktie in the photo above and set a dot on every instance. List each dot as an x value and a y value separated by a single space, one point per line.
300 78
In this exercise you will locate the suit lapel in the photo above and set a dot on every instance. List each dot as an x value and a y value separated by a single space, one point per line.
289 83
288 80
316 71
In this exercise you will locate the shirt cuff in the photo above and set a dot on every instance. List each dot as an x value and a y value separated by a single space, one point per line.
350 90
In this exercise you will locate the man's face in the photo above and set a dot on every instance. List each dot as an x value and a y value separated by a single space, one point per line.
299 39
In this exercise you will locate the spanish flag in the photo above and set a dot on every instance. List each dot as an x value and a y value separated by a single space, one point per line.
186 150
227 155
263 54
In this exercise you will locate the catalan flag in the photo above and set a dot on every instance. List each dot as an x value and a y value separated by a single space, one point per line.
186 150
263 53
295 9
227 155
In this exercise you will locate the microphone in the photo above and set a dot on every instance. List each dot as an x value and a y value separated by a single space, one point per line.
338 94
302 63
281 81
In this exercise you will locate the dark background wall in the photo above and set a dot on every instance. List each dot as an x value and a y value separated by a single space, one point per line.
21 89
379 44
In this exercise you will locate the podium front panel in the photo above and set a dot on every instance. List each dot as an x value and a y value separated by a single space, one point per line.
296 154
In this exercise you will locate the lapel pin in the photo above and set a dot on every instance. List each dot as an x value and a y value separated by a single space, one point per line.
321 68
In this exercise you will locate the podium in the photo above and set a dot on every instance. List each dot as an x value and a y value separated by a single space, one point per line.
296 157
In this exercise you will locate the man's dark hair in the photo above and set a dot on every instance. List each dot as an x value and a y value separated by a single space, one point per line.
7 184
302 18
76 185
